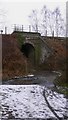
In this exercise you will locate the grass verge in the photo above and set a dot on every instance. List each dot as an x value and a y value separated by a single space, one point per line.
62 83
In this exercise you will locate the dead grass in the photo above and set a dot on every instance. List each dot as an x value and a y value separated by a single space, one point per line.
13 61
57 61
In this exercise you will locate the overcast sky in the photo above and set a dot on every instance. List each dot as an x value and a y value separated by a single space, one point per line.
17 11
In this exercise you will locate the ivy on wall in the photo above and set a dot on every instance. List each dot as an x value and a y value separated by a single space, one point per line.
37 53
20 39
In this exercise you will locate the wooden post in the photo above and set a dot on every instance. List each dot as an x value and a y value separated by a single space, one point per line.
26 70
53 34
22 28
46 33
29 28
5 30
15 27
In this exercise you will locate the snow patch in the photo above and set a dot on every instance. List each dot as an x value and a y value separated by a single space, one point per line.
27 101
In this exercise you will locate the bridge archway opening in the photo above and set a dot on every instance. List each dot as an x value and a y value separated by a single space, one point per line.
29 51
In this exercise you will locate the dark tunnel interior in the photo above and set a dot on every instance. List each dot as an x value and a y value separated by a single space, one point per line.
27 49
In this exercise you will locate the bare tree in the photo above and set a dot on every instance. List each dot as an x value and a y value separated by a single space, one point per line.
52 22
57 16
34 20
59 26
44 17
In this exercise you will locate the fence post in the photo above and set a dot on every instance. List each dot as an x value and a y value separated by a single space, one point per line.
29 28
22 28
46 33
53 33
5 30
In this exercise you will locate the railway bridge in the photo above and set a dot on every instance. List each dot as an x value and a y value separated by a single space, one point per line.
33 46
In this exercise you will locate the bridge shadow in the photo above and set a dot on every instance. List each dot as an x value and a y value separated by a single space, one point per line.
28 51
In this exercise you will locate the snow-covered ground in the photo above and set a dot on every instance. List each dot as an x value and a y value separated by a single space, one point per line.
27 101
